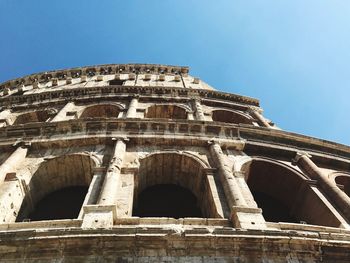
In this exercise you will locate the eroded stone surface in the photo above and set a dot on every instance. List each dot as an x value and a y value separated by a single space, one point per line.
118 129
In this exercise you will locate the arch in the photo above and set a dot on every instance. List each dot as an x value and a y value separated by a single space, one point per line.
58 175
286 195
190 155
156 200
101 111
33 116
166 111
343 180
230 116
173 168
245 167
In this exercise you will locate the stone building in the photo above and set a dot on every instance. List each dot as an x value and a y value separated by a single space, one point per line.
145 163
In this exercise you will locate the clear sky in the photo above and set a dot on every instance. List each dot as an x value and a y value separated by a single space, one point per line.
293 55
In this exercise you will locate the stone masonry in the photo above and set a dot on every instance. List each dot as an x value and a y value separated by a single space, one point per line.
145 163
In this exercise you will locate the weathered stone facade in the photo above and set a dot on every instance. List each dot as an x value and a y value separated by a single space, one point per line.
145 163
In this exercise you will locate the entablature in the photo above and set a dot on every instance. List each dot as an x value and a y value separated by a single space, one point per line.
180 132
124 91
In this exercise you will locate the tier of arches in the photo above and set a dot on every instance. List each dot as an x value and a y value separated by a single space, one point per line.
111 110
173 184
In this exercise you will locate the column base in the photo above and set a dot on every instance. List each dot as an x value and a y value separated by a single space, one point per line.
247 218
98 216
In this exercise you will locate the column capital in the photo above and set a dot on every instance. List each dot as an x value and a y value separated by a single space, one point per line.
24 144
237 144
121 138
52 111
299 155
239 174
212 142
255 110
135 96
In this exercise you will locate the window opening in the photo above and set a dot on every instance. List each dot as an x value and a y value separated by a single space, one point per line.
167 200
61 204
117 82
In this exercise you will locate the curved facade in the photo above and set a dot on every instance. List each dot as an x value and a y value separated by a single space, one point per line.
145 163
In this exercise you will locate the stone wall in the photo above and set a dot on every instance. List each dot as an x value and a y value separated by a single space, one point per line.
265 195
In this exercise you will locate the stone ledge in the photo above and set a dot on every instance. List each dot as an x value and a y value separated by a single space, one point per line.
243 244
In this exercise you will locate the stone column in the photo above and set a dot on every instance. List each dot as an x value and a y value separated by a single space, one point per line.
228 181
16 158
131 113
260 118
112 177
61 115
341 199
104 213
199 111
4 117
242 214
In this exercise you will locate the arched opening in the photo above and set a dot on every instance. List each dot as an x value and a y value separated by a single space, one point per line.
167 200
176 179
101 111
61 204
273 209
230 117
58 188
117 82
166 112
344 180
34 116
285 195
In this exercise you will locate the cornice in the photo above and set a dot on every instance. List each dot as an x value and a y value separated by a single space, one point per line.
96 69
112 90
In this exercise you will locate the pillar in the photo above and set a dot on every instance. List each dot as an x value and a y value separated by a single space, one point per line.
16 158
4 117
112 177
228 181
131 113
303 161
104 213
260 118
241 214
199 111
12 187
61 115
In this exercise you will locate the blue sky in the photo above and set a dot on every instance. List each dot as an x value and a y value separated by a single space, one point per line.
292 55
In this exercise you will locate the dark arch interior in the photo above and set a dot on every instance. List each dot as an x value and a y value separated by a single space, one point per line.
117 82
166 112
167 200
61 204
229 117
35 116
101 111
345 181
273 209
